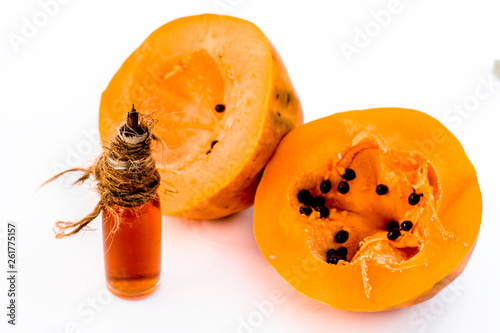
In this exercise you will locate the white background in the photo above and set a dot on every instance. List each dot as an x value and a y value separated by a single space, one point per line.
431 56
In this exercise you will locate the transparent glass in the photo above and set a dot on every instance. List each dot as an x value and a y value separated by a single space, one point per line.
132 252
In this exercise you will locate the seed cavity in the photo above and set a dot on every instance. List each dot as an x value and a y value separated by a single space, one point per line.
393 226
414 198
349 174
325 186
393 234
220 108
343 187
381 189
366 229
406 225
342 236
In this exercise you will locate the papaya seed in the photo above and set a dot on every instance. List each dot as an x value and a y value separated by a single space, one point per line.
318 202
305 210
414 198
349 174
324 212
220 108
325 186
332 260
342 236
305 197
342 251
331 252
393 226
334 256
406 225
381 189
343 187
393 234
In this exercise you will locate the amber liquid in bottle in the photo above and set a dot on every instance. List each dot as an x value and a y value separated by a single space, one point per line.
132 253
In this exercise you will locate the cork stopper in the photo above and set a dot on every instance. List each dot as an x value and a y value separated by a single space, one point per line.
133 134
131 131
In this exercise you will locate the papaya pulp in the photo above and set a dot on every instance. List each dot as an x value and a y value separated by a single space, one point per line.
223 101
379 209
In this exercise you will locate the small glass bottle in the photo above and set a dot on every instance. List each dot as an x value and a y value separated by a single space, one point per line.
132 254
132 235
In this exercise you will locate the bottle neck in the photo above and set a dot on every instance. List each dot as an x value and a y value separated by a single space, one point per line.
130 165
132 141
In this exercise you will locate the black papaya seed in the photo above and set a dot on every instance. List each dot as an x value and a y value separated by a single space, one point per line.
381 189
325 186
406 225
393 226
349 174
414 198
305 210
343 187
342 236
393 234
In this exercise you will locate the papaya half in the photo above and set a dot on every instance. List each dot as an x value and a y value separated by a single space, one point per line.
222 99
369 210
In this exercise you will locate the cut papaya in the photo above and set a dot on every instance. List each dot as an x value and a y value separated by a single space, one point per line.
369 210
223 101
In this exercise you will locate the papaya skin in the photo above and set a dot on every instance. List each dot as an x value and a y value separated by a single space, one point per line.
178 75
284 236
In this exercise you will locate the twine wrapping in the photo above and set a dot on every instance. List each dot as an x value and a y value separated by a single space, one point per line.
125 172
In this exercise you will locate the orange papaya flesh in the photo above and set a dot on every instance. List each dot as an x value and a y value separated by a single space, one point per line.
222 99
382 206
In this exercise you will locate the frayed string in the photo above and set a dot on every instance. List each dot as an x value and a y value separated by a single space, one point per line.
125 172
